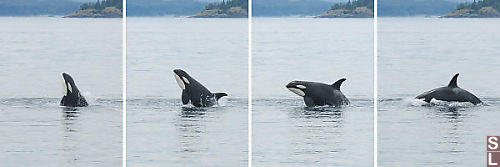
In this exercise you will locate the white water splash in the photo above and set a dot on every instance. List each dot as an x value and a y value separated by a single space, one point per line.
222 102
415 102
450 104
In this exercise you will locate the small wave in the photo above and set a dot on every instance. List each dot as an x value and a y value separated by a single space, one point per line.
89 97
192 112
51 102
391 99
435 102
69 109
191 108
317 112
30 102
440 105
415 102
327 107
172 102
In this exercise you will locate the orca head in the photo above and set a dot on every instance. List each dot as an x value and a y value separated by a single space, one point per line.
69 87
297 87
182 78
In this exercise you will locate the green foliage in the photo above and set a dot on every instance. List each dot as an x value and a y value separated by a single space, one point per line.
100 5
353 5
225 5
480 4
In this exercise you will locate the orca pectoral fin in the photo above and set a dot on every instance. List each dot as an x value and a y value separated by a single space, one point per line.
428 99
421 97
309 102
219 95
424 98
185 97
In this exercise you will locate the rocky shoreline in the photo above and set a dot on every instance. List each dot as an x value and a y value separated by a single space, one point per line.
359 12
108 12
233 12
484 12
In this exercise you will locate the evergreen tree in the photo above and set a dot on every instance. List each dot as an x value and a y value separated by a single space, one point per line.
477 5
226 5
352 5
100 5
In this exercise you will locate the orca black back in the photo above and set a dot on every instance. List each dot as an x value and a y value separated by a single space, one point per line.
450 93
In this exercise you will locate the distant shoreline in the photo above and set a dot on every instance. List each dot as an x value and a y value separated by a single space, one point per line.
58 16
99 9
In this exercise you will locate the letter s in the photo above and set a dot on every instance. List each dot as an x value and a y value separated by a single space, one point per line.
493 145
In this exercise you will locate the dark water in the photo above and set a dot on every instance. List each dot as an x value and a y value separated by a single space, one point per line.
160 130
34 130
419 54
285 133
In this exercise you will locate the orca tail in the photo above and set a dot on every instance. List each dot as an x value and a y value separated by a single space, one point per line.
453 82
337 84
219 95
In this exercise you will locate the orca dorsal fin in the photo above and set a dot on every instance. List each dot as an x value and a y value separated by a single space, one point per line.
453 82
337 84
219 95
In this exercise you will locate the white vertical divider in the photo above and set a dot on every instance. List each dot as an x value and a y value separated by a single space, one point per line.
375 83
124 84
250 17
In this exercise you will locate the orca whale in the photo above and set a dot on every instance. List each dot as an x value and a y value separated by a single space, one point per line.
450 93
195 92
319 94
72 96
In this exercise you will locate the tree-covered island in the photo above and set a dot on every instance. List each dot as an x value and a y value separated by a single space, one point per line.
350 9
99 9
224 9
479 9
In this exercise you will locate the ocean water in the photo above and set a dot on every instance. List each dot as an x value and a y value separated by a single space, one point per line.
420 54
160 130
285 132
35 130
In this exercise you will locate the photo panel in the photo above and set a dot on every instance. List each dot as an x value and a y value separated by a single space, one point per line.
437 104
312 84
61 93
187 84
